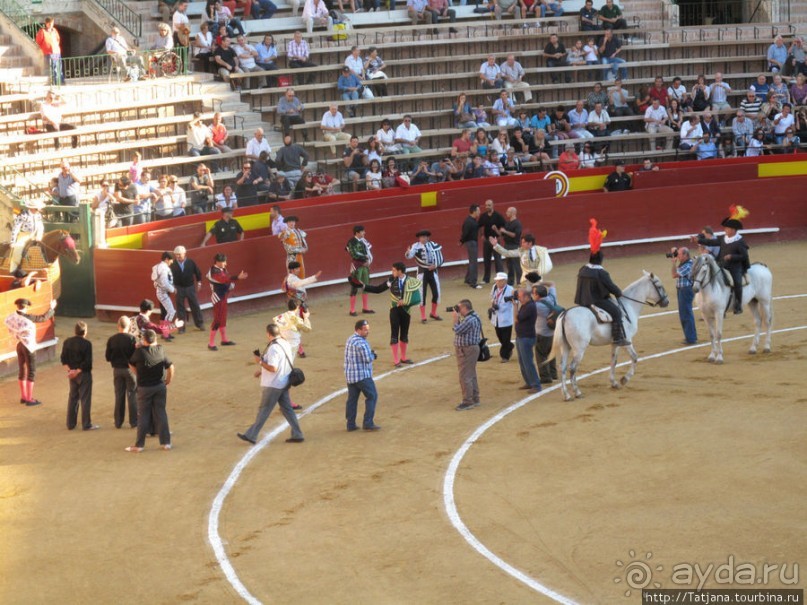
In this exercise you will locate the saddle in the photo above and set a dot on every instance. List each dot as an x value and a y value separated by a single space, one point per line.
603 316
730 280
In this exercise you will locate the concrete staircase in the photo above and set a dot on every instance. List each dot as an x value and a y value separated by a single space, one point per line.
17 70
649 11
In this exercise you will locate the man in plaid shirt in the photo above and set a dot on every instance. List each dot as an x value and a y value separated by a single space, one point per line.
682 272
467 334
359 359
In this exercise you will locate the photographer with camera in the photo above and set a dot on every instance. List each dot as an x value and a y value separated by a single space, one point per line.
467 335
500 314
359 359
682 272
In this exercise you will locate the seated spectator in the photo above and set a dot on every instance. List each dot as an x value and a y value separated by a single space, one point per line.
461 147
782 121
618 100
796 57
521 144
219 134
742 130
599 121
298 54
710 125
223 17
777 55
481 116
568 160
290 110
764 124
441 9
197 135
541 148
591 52
691 132
351 89
202 188
456 169
578 122
463 112
790 142
756 146
308 187
164 40
227 62
373 69
611 16
771 106
705 149
247 56
552 8
677 91
257 144
373 150
226 199
798 90
780 90
500 144
513 75
539 121
649 166
618 180
719 93
492 165
261 168
267 58
481 142
407 135
751 105
315 13
555 55
331 125
503 110
642 101
490 74
589 157
373 176
203 47
421 175
179 197
589 17
280 189
441 170
246 185
353 161
50 110
659 91
609 47
597 95
386 137
760 88
68 186
389 178
261 9
577 54
655 120
700 94
511 163
354 62
675 114
510 7
475 168
418 11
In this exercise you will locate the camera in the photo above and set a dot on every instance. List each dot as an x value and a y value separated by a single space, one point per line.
375 355
256 353
303 307
507 299
453 309
673 254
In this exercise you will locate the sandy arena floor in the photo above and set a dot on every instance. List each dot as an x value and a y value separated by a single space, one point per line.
691 462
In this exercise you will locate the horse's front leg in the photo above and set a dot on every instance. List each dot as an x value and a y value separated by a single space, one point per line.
612 373
753 305
634 359
718 339
710 323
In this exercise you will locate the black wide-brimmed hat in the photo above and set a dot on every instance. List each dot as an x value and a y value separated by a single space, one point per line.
423 232
732 223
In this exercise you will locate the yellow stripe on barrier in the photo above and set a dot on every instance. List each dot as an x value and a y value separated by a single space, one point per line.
428 199
783 169
131 241
587 183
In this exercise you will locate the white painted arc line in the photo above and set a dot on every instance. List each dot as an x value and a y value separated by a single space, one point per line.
218 502
448 482
213 534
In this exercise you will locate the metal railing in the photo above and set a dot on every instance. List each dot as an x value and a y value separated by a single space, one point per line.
20 16
137 65
118 10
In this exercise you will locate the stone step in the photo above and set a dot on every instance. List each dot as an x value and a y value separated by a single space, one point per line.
8 50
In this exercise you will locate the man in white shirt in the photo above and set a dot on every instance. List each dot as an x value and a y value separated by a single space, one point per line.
315 13
246 54
117 48
490 74
691 132
407 135
51 112
598 121
655 120
355 63
718 93
503 110
198 132
331 125
578 120
783 121
181 25
274 368
677 91
513 75
258 144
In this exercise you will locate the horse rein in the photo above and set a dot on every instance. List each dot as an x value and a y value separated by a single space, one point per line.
712 276
647 302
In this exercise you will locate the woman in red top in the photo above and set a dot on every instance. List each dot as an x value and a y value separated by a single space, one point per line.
568 160
220 135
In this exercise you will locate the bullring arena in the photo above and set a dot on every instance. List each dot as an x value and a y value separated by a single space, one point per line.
692 476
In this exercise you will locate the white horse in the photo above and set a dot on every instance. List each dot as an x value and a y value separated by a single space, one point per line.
577 328
710 281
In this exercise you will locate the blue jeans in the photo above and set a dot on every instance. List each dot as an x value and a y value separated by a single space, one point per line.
366 386
555 7
614 63
685 315
526 361
263 9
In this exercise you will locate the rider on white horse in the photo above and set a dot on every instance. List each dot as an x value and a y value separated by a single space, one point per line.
733 255
27 226
594 287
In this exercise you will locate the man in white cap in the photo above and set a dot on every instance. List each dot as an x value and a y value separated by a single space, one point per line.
27 226
500 313
187 281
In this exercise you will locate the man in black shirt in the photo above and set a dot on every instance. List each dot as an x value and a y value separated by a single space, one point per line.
511 236
225 230
291 159
247 183
119 349
154 372
491 221
227 62
187 281
555 54
619 180
77 360
525 340
469 237
594 287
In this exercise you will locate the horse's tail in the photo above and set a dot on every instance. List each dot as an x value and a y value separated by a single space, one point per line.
558 339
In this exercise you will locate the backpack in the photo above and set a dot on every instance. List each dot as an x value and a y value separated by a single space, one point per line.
554 312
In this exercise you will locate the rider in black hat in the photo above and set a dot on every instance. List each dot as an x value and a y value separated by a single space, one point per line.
733 255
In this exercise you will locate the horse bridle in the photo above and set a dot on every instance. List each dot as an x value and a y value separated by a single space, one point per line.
662 297
56 251
712 276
